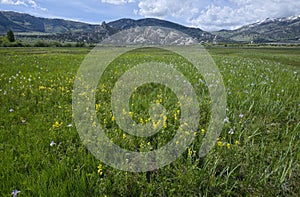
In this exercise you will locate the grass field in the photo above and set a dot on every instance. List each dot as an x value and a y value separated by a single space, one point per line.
257 153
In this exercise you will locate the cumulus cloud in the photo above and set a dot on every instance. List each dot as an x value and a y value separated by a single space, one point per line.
12 2
117 2
27 3
164 8
243 12
214 15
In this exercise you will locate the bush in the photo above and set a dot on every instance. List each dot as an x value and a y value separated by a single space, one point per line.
3 41
55 44
41 43
80 44
67 45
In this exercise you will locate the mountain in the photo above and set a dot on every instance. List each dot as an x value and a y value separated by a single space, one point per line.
197 33
20 22
64 30
281 30
27 26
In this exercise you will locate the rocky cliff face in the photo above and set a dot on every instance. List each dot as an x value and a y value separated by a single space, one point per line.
150 35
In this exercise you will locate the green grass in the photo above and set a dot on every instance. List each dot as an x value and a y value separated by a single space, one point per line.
260 157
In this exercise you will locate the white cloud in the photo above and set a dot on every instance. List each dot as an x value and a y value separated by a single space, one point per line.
218 14
27 3
12 2
205 14
164 8
32 3
117 2
244 12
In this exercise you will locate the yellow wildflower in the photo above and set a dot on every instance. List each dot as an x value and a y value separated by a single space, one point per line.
42 88
203 131
131 114
159 101
98 107
113 118
175 117
190 152
148 120
157 124
237 142
179 104
228 145
100 169
220 143
103 88
124 136
83 94
165 122
56 125
141 121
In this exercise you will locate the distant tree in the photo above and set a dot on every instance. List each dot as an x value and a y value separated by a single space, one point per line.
10 36
80 44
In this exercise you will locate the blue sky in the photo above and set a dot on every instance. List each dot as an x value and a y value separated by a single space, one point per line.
206 14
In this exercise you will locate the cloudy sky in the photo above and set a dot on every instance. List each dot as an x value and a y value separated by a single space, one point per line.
208 15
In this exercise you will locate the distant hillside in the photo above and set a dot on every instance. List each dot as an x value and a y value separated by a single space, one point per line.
20 22
27 26
65 30
284 30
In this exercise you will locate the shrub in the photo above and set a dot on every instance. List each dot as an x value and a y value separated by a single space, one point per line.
41 43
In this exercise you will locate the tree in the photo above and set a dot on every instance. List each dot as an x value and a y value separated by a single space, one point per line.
11 36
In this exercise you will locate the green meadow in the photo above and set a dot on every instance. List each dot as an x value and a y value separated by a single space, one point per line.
256 154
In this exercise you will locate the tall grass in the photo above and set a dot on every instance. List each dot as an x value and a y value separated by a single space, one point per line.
257 153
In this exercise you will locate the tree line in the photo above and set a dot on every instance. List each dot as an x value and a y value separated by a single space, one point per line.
10 41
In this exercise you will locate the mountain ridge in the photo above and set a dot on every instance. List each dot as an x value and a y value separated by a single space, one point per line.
284 30
29 23
269 30
126 23
79 31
